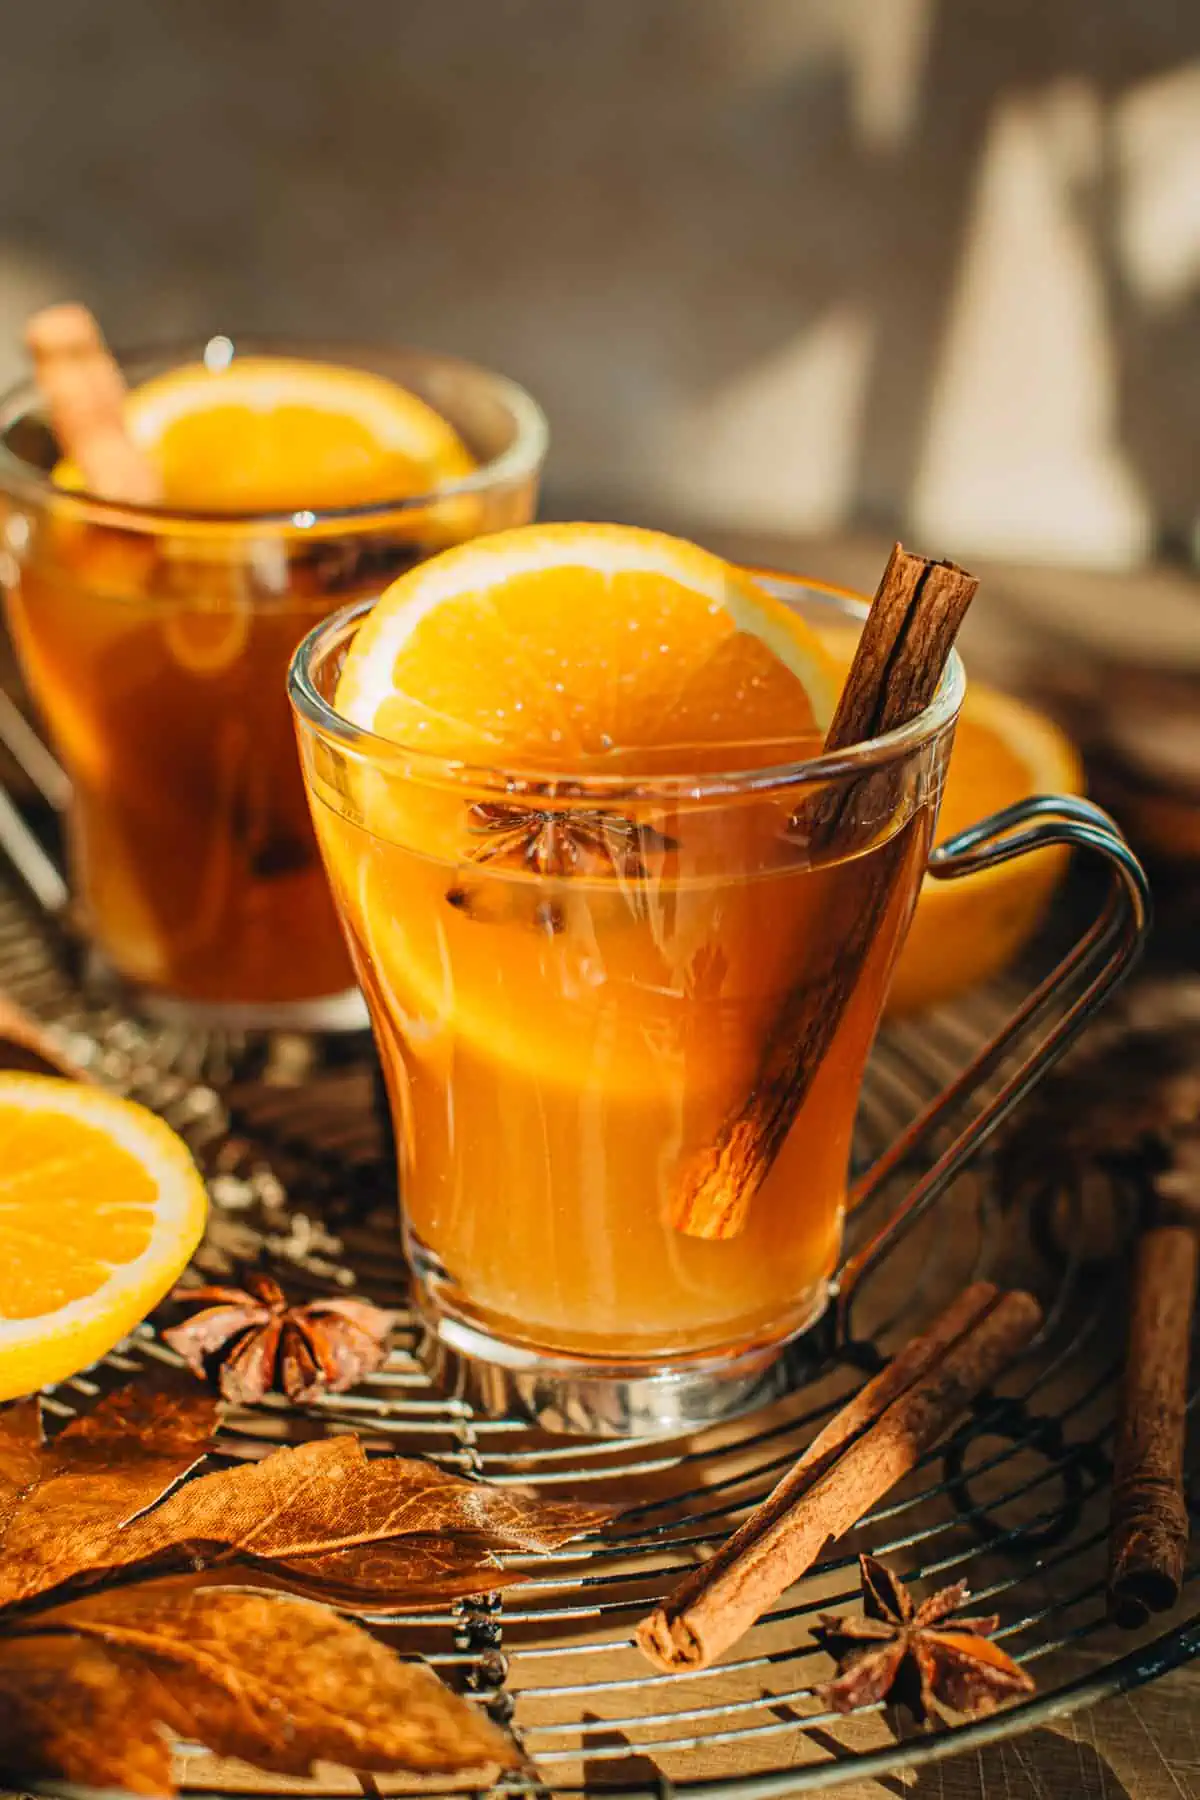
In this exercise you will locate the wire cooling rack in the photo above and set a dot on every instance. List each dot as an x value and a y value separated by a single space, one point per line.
1016 1503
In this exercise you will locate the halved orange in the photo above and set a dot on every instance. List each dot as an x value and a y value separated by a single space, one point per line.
966 931
101 1207
278 434
589 647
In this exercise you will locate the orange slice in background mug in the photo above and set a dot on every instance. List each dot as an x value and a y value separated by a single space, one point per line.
266 434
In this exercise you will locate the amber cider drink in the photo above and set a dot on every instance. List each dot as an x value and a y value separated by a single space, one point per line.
155 644
561 1039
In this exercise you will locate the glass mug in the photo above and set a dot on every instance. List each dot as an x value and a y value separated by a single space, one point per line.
155 643
561 1053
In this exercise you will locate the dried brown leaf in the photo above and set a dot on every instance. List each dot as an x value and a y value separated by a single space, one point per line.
291 1508
299 1507
276 1681
100 1472
66 1716
20 1456
91 1680
407 1573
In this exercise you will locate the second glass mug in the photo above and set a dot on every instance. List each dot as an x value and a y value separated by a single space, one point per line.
155 643
562 1052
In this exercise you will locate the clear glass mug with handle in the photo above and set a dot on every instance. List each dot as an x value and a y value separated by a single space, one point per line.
155 643
569 1057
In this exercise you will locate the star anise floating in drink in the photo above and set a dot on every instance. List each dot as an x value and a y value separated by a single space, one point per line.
565 842
916 1656
253 1340
556 844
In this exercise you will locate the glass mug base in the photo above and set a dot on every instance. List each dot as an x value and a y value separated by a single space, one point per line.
643 1397
322 1015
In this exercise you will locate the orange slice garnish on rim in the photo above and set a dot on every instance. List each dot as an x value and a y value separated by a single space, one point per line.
568 649
282 434
589 647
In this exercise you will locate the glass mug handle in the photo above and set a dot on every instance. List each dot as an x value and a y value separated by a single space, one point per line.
1086 975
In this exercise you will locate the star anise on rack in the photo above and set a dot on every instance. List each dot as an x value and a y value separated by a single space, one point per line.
916 1656
562 842
252 1340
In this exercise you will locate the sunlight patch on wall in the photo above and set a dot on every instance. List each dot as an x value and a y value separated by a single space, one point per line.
1157 130
775 448
882 42
1020 457
887 41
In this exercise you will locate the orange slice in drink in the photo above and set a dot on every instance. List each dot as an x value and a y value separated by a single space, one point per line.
278 434
965 932
101 1207
589 648
576 649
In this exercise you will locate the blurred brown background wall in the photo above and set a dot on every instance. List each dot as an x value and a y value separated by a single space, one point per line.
794 264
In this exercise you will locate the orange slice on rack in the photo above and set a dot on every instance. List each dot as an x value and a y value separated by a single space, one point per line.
589 648
278 434
965 932
101 1207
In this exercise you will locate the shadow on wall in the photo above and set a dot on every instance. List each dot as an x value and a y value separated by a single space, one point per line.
798 264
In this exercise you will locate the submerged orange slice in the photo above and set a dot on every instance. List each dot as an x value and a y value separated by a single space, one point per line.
965 932
277 434
101 1207
589 647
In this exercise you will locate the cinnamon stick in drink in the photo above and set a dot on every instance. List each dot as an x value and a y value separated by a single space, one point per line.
1149 1528
905 1410
84 392
901 655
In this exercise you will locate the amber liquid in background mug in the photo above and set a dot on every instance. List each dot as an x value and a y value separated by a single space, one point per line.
156 647
557 1052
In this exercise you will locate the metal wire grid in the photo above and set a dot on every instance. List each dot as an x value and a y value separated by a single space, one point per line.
1016 1503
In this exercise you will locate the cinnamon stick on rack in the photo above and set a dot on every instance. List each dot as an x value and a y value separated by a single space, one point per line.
27 1048
1149 1529
901 655
84 392
862 1453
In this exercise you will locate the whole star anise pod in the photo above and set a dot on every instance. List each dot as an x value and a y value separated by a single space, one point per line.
253 1339
564 842
916 1656
557 843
